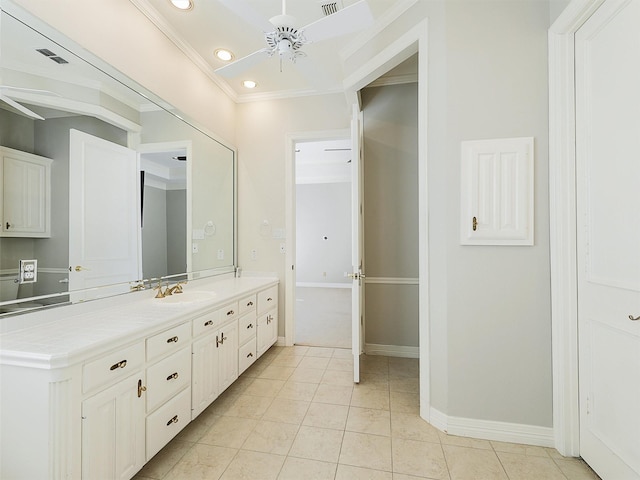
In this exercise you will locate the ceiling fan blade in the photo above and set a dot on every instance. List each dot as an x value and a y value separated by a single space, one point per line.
245 11
316 77
20 108
236 68
348 20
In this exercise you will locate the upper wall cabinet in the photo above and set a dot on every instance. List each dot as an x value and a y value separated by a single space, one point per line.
497 192
25 189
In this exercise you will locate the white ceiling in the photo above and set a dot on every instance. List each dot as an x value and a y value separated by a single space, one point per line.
210 25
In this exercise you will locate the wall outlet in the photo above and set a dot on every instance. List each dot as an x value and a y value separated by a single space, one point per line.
220 254
28 271
194 248
254 254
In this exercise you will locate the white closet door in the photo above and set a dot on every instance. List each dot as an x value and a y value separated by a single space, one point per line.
608 212
103 229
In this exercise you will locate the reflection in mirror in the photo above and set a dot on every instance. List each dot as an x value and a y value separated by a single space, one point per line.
95 175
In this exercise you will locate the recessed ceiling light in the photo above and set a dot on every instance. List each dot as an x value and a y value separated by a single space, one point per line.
249 84
223 54
182 4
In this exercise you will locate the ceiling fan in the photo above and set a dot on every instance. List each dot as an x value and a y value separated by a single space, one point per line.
285 39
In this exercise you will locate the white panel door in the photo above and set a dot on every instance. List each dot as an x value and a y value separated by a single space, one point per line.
103 229
608 212
357 242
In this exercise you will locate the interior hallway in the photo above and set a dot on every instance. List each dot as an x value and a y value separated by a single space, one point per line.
296 414
323 317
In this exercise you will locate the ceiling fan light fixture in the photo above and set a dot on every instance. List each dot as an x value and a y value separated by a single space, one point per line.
224 54
182 4
249 84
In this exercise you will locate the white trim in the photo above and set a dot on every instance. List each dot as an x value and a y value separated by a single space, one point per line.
491 430
562 207
392 281
323 285
394 80
281 342
392 350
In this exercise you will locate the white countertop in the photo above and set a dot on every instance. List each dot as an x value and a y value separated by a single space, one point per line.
70 334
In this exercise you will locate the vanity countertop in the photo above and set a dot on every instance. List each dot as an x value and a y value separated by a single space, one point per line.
68 335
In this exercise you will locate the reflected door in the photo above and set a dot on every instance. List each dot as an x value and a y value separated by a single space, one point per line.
103 228
608 212
357 275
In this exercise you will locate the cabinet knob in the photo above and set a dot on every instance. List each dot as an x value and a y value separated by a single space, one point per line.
250 304
250 355
634 319
250 326
8 225
230 312
172 340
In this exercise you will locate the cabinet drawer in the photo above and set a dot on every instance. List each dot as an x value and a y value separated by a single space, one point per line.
267 299
206 323
113 366
246 327
246 355
228 312
246 304
168 341
167 377
167 421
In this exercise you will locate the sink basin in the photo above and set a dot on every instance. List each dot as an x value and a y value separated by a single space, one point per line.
187 297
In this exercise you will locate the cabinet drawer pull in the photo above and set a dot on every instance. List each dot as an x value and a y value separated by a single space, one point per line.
173 376
8 225
209 323
250 355
269 299
120 364
141 388
218 342
173 420
250 304
250 326
269 319
230 312
172 340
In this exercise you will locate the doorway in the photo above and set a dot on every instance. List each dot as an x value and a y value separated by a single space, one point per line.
323 242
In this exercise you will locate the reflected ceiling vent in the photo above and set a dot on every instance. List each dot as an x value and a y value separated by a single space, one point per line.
51 56
329 8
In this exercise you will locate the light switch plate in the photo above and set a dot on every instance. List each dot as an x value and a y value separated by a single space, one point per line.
28 271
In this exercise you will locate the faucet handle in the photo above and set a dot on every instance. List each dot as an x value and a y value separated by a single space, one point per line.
160 293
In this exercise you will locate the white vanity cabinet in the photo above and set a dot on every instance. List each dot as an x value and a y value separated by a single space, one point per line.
25 192
94 393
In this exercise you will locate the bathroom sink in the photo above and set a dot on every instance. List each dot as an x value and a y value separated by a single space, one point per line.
188 297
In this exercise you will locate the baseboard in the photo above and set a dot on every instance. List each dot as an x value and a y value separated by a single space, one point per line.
392 350
492 430
323 285
281 342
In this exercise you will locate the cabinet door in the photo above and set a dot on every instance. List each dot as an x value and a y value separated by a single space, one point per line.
204 374
113 423
267 333
25 198
228 355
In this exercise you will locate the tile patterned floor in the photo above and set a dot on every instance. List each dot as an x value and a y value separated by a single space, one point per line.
296 414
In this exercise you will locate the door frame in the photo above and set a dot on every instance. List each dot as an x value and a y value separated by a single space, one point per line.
563 234
290 218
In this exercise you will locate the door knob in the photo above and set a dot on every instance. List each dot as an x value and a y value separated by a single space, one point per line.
79 268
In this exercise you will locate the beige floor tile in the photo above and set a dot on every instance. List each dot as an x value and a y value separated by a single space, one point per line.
342 353
402 476
404 384
229 432
404 367
202 462
275 372
374 364
287 411
368 420
316 443
336 394
271 437
222 404
368 398
520 449
238 387
368 451
447 439
300 350
473 464
341 364
424 459
307 375
326 415
374 381
287 361
249 465
319 352
302 468
526 467
298 391
314 362
165 459
576 469
412 427
337 377
348 472
264 387
255 370
194 431
249 406
404 402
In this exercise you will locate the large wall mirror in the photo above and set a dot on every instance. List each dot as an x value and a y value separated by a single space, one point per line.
101 183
